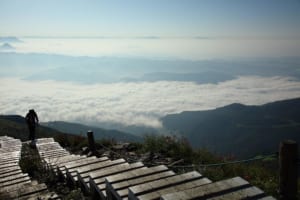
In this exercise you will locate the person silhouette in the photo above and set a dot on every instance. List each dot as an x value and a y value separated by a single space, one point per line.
32 121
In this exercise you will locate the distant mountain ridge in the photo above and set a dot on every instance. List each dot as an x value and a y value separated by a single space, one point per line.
99 133
239 129
39 66
15 126
10 39
6 47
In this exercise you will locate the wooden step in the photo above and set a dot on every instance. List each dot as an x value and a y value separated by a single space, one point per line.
10 169
155 188
23 179
246 193
10 173
12 177
73 173
84 172
83 178
3 167
44 140
117 188
210 190
44 195
63 159
62 169
97 178
25 191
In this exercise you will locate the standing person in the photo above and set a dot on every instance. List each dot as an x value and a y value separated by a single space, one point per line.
32 121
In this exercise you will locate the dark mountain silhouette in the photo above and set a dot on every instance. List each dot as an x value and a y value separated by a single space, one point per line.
10 39
15 126
7 46
239 129
99 133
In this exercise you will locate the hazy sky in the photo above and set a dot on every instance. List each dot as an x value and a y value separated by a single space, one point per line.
162 18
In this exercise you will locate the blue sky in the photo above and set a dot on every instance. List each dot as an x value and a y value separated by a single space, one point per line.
162 18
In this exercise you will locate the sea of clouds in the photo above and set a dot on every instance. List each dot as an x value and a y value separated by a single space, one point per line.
140 103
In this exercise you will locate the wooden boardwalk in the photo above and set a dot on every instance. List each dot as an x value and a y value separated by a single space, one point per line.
103 178
14 184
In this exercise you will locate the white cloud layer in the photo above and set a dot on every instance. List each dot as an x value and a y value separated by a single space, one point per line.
136 103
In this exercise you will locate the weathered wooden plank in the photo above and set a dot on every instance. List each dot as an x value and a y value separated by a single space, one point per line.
25 191
9 149
50 151
83 178
44 140
62 169
3 167
15 181
82 162
149 187
9 162
54 156
267 198
16 160
6 170
119 190
97 178
7 155
170 189
63 159
53 163
211 190
12 177
10 154
47 147
83 170
14 187
136 173
10 144
10 173
245 193
56 153
44 195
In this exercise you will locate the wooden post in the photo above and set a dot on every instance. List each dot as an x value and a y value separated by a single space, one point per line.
91 141
288 170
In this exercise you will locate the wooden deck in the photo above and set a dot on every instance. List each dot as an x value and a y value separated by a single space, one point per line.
14 184
103 178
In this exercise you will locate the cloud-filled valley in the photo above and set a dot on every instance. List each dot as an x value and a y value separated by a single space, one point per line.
136 103
135 90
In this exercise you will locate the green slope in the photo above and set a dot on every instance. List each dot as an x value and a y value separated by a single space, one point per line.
15 126
99 133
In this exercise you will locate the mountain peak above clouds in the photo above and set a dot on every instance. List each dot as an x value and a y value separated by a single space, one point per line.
7 46
9 39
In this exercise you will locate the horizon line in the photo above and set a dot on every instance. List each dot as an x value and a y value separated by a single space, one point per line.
155 37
